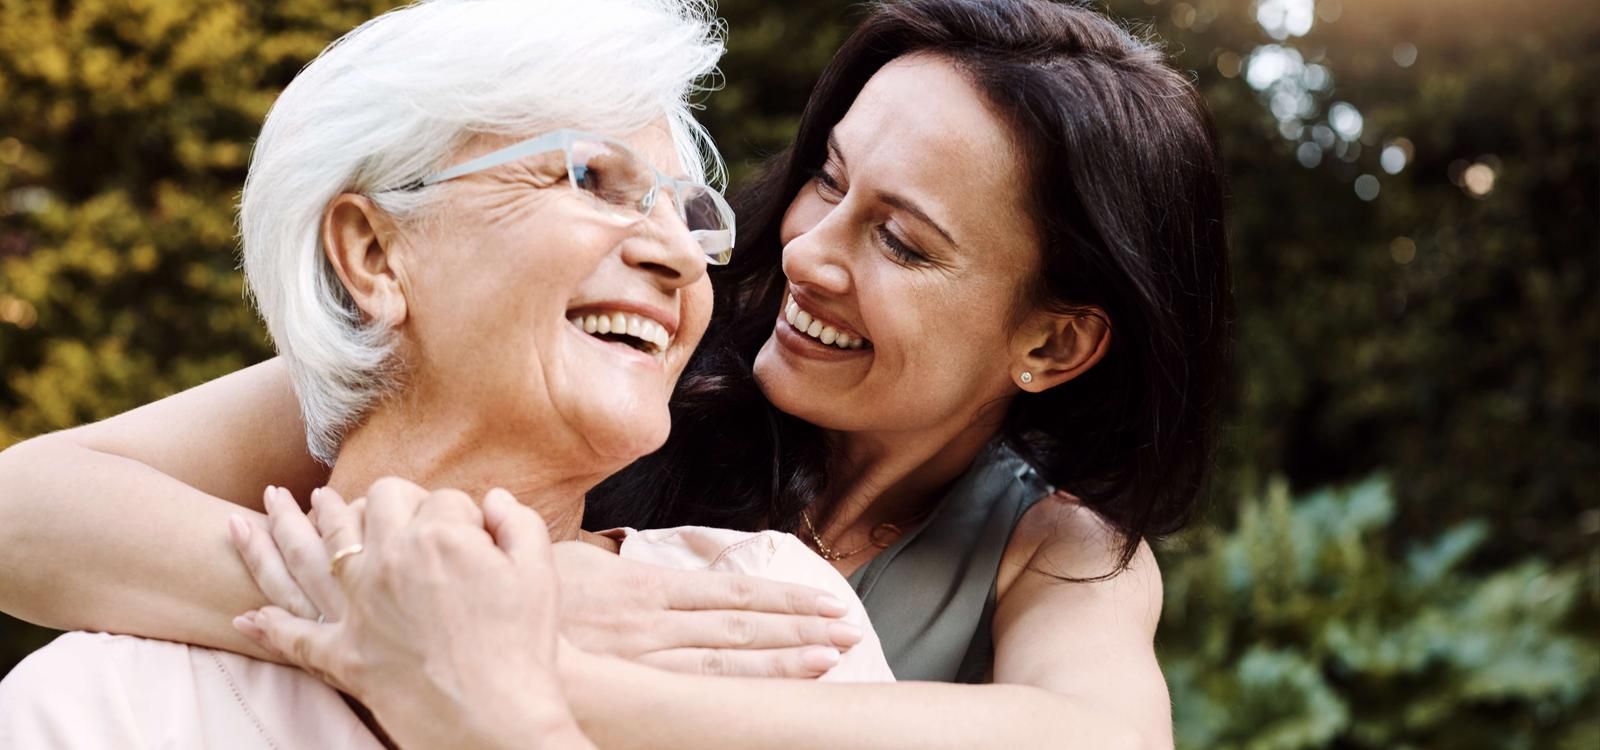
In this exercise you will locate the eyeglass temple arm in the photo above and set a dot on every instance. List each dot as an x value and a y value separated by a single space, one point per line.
543 144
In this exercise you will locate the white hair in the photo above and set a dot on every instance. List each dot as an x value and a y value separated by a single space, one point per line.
389 102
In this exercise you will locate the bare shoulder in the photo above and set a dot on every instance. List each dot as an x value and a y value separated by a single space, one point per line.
1060 539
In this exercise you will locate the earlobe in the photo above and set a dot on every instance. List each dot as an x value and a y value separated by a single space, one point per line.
354 238
1060 348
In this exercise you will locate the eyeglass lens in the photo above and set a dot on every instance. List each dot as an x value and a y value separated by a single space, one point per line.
620 179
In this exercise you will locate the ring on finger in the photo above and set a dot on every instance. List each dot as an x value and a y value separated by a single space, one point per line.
343 554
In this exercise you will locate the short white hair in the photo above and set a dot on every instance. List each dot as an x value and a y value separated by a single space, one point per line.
389 102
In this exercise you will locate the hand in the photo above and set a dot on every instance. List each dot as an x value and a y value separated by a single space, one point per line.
697 621
286 557
450 623
684 621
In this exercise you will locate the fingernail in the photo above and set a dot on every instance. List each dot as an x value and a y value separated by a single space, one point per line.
819 659
266 498
844 634
238 530
246 624
316 499
831 606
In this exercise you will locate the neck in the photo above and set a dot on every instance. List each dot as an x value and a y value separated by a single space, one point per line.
440 450
890 477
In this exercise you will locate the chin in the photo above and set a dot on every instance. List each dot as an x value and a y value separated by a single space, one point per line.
630 437
786 391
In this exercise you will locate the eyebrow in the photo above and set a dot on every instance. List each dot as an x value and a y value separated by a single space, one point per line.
896 200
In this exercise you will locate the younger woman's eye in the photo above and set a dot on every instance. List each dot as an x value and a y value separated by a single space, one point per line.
826 183
902 250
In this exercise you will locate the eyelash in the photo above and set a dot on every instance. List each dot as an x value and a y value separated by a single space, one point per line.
902 250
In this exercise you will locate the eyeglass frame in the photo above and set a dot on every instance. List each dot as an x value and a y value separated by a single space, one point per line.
562 140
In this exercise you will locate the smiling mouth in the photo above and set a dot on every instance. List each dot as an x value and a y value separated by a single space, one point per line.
634 331
804 322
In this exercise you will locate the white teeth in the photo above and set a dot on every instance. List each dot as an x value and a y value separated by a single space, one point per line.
802 321
641 328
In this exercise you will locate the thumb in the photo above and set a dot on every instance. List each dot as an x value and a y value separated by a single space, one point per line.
304 643
516 528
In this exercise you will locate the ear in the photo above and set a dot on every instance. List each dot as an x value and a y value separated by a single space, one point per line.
357 238
1054 348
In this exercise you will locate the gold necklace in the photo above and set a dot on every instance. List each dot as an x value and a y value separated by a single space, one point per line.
881 536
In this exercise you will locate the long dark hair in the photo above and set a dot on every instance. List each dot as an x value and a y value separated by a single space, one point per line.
1128 195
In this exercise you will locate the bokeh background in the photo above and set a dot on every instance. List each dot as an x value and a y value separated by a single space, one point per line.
1401 547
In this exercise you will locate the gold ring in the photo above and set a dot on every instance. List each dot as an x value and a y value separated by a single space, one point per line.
344 554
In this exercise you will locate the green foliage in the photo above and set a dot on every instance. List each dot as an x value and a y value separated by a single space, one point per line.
1303 627
122 149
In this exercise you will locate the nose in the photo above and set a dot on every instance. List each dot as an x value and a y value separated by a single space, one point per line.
664 248
818 256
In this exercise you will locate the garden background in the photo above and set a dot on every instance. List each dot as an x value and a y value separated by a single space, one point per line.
1402 549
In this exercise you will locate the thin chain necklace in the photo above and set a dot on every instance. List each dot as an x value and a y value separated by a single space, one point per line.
882 535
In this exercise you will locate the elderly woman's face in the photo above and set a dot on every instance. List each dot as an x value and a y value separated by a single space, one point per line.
512 258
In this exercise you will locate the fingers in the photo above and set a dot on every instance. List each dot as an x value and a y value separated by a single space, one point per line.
517 529
734 591
340 525
254 544
734 629
304 643
800 663
303 551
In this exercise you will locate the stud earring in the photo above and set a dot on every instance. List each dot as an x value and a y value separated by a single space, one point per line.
1027 377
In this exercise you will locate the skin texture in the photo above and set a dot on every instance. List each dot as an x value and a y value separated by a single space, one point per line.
1075 663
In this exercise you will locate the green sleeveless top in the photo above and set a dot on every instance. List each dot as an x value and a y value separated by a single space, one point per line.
931 595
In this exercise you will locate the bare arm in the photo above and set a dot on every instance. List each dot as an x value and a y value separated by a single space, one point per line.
121 525
1075 668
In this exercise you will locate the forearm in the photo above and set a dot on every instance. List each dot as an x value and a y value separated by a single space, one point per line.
624 705
92 541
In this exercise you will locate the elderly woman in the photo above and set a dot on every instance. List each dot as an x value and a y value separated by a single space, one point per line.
471 230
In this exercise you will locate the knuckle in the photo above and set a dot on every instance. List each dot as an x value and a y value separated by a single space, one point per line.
713 662
298 555
741 593
739 630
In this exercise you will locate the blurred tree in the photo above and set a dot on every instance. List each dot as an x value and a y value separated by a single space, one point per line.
1300 629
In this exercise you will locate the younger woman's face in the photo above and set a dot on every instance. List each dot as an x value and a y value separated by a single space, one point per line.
907 255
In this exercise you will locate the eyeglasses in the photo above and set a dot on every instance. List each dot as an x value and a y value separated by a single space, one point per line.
621 180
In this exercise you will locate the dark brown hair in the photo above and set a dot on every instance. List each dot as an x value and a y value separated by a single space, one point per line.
1128 194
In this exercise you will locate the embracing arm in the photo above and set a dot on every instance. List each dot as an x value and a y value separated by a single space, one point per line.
121 525
1075 668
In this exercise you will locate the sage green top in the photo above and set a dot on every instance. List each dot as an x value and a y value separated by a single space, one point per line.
931 594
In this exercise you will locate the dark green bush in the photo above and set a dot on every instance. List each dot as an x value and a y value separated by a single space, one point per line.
1307 626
